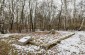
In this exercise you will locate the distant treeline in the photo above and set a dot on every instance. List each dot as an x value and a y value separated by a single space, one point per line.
30 15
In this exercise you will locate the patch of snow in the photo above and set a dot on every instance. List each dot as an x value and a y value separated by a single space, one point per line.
7 35
72 45
4 35
30 48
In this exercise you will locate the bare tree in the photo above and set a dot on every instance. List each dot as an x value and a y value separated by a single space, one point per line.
81 15
66 13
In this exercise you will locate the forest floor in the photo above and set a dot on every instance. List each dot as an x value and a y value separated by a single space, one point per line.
74 45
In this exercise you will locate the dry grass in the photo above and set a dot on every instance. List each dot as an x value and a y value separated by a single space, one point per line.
7 49
4 48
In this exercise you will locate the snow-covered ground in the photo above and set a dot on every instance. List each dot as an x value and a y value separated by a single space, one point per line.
75 45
